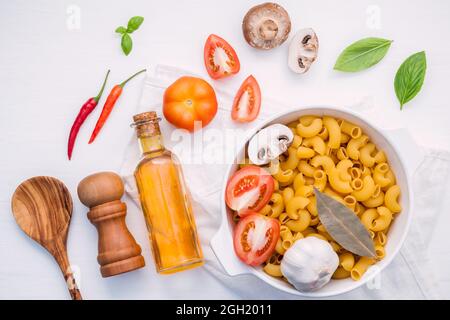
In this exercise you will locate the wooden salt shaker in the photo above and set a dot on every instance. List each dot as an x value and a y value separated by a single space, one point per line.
118 251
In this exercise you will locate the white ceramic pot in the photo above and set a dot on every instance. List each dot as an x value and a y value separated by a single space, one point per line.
403 156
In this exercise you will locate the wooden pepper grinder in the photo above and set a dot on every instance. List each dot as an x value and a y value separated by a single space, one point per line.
118 251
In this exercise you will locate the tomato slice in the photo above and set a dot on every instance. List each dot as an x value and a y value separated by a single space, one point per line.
220 58
255 238
247 102
249 190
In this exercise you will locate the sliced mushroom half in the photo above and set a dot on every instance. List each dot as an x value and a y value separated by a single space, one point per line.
303 50
266 26
269 143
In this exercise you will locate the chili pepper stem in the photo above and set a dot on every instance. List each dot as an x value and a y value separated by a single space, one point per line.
102 88
134 75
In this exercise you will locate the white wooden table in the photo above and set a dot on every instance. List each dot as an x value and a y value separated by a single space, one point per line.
53 57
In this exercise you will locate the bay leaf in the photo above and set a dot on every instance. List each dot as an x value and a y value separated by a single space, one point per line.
344 226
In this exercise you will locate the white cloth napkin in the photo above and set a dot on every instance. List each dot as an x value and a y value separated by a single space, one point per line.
409 276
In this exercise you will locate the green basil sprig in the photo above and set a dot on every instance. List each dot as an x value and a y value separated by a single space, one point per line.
133 24
126 43
362 54
410 76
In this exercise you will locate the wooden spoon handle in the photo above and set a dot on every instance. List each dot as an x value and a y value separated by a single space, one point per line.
58 249
72 286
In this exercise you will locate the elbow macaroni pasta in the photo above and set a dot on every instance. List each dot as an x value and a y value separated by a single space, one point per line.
295 205
391 199
297 141
334 132
361 267
305 168
347 261
304 191
323 161
337 158
284 177
301 223
379 250
367 190
351 129
341 154
380 175
275 206
383 220
365 155
341 273
354 145
320 179
341 186
310 130
273 269
292 161
304 153
344 138
374 202
343 167
316 143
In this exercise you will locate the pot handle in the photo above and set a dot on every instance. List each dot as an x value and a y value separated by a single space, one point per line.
402 137
222 246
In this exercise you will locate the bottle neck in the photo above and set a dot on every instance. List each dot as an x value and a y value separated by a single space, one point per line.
151 145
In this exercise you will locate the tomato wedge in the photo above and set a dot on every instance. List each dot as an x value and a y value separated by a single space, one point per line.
255 238
249 190
220 58
247 102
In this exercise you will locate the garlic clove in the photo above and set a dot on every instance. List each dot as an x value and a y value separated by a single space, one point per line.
303 50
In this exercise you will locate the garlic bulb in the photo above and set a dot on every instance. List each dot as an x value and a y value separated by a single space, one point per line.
309 264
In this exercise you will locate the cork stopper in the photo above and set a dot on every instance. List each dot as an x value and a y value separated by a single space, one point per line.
146 124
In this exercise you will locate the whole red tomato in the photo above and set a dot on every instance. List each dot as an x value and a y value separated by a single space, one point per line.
187 100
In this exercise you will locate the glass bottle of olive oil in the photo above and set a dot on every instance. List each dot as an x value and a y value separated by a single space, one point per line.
165 203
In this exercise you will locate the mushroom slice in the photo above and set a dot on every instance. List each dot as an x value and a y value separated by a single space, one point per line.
303 50
269 143
266 26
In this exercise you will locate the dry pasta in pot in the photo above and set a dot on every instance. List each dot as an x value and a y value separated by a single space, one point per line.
336 157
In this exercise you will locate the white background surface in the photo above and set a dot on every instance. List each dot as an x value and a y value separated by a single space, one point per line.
48 70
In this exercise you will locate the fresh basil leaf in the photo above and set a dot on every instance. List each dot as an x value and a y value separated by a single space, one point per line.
410 76
121 30
362 54
127 43
134 23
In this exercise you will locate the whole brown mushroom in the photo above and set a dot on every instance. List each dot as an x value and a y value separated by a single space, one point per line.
266 26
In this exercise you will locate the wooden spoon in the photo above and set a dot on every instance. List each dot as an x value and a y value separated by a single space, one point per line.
42 207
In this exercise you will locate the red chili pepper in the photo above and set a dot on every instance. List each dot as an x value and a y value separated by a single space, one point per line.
109 105
85 110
